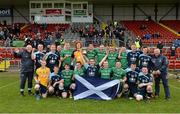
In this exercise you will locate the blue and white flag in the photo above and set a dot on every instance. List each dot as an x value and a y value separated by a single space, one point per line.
95 88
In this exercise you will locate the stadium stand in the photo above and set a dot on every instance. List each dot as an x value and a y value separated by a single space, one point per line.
173 24
153 29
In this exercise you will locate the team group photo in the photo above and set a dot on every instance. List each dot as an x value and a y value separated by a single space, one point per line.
89 56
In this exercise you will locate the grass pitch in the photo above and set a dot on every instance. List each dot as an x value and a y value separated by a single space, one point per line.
11 101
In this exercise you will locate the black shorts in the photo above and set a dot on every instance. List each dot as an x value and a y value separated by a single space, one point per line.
56 88
43 89
67 88
133 89
142 91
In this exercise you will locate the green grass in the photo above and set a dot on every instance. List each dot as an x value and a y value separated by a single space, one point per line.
10 101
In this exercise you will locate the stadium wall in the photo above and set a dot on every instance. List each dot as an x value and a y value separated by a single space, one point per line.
125 12
17 17
105 12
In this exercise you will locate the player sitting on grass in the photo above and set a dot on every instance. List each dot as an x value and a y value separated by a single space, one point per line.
145 83
42 80
130 88
119 74
69 86
56 83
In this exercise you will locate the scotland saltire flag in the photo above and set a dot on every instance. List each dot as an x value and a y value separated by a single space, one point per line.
95 88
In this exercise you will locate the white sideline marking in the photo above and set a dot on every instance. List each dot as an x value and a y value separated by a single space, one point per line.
174 87
8 85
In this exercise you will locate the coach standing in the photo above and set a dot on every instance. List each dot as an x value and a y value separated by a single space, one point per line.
160 72
27 68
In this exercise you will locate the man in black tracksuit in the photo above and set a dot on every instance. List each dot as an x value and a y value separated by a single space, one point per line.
160 72
27 68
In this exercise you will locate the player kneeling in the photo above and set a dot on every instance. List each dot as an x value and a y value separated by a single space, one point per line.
145 83
42 80
56 83
130 87
69 86
120 74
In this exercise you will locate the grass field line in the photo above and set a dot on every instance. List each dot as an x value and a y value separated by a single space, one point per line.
175 87
8 85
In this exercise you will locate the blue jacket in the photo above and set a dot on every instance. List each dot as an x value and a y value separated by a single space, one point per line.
160 63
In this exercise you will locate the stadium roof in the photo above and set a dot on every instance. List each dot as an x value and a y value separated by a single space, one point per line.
26 2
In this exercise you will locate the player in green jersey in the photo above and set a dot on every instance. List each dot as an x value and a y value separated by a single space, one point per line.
112 57
123 57
105 71
69 86
79 69
66 54
101 53
119 74
91 53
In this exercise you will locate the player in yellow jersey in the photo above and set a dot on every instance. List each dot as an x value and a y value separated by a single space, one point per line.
42 80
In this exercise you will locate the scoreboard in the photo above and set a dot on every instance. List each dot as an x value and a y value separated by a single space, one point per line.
58 11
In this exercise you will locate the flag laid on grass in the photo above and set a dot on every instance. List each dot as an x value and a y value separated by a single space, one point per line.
95 88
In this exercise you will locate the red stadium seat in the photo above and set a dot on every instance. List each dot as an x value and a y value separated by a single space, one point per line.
171 64
177 66
3 55
172 57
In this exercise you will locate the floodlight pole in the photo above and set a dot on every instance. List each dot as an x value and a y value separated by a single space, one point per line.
12 14
155 12
177 11
134 12
112 16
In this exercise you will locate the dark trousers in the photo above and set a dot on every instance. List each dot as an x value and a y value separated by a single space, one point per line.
23 77
164 79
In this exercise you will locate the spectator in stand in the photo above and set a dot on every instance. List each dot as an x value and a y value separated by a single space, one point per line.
143 27
138 42
176 43
58 34
6 32
48 40
148 36
8 42
156 35
38 40
1 33
160 46
28 40
13 31
173 50
128 44
17 30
